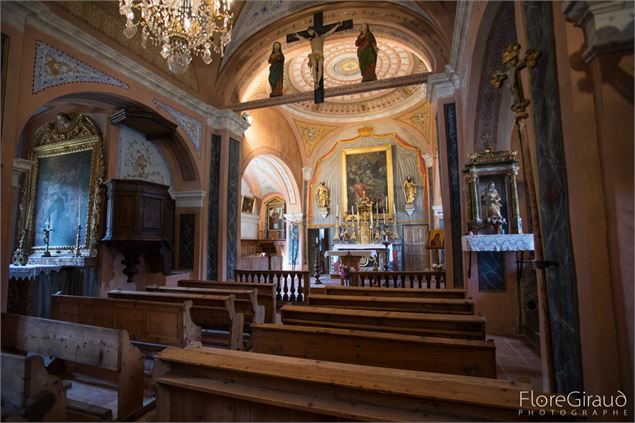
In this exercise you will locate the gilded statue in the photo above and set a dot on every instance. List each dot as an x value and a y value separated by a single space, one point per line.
491 201
409 190
364 204
322 195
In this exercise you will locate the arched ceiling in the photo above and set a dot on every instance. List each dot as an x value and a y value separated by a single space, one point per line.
267 175
256 15
341 68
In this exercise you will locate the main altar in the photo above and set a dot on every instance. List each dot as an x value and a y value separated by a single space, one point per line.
363 236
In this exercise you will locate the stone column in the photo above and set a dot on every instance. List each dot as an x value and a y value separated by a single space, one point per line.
306 177
553 200
223 243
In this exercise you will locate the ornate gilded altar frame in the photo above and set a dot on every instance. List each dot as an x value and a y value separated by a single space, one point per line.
74 133
489 162
389 174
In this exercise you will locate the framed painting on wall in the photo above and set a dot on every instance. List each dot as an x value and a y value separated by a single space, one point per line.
275 210
64 186
436 240
369 171
248 204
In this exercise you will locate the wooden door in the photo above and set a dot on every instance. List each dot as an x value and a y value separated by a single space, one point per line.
416 256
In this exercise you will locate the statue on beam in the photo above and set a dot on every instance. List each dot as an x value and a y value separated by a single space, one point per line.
276 70
316 34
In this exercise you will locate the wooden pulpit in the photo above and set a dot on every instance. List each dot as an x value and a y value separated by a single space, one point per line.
140 220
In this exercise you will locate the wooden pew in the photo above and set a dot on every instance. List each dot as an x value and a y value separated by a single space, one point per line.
91 346
266 292
208 384
29 391
415 305
146 322
208 311
441 325
410 352
457 294
246 299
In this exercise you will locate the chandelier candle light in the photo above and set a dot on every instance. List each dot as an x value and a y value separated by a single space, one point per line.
180 27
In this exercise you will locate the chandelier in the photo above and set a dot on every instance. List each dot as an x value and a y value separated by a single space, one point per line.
180 27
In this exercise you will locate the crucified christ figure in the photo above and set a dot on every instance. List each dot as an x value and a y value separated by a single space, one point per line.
316 57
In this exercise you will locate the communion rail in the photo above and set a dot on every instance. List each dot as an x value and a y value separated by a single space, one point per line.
291 286
399 279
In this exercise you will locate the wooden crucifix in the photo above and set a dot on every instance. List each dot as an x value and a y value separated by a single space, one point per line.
514 65
316 34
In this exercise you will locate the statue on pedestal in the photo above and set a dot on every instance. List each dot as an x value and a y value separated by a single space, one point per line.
410 193
491 202
322 194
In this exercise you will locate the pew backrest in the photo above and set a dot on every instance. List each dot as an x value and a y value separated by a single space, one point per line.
439 325
246 300
266 292
145 321
410 352
25 381
417 305
208 311
93 346
396 292
222 385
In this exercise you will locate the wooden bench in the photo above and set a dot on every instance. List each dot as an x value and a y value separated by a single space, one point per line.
208 311
207 384
29 391
266 292
457 294
85 347
147 322
415 305
440 325
441 355
246 299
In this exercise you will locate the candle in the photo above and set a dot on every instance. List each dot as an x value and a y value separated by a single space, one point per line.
317 239
79 209
337 210
386 209
371 218
352 210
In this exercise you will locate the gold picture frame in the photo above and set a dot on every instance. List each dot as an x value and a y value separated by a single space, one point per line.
70 143
436 239
373 192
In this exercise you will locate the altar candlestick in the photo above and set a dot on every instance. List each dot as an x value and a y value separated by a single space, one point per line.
371 218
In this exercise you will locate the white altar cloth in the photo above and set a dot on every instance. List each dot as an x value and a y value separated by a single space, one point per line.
353 253
502 242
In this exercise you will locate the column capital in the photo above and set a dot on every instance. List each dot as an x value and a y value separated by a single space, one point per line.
306 173
607 25
193 199
440 85
227 119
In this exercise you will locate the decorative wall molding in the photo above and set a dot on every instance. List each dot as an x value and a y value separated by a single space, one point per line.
190 199
140 159
41 18
459 36
607 25
306 173
190 126
20 167
54 67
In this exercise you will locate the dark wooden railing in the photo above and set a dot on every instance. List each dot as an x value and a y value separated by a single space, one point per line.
399 279
291 286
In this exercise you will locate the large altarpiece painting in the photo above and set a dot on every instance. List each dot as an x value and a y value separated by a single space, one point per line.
369 171
64 186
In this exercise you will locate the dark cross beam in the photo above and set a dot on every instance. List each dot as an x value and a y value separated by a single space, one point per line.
380 84
320 28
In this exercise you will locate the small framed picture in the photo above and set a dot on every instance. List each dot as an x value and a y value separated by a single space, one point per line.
248 204
436 240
